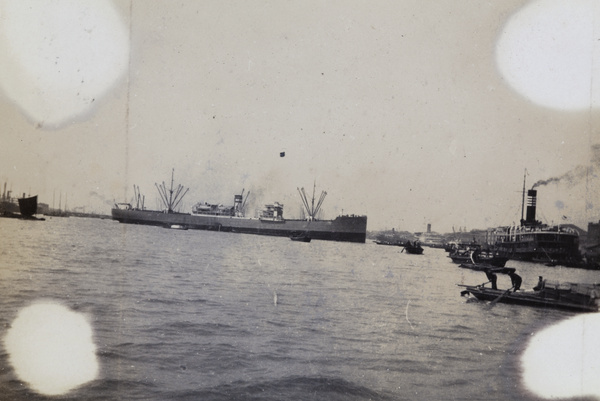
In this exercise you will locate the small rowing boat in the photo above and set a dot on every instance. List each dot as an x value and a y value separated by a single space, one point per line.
569 296
413 247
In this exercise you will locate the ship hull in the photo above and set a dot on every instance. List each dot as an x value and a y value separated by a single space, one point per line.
546 246
343 228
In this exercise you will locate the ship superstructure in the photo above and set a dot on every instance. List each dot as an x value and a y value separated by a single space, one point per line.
537 242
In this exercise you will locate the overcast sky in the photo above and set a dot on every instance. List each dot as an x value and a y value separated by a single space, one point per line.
411 112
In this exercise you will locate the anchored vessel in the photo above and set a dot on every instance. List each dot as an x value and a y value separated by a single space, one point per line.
536 242
205 216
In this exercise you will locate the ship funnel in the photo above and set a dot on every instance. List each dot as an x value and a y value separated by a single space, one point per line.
237 202
531 202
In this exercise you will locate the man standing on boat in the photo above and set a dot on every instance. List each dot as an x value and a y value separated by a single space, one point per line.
516 281
492 279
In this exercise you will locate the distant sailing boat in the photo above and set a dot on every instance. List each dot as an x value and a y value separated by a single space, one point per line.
28 205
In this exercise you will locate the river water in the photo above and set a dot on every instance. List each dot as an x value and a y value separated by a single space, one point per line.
195 315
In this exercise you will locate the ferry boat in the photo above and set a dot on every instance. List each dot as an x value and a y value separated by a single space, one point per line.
216 217
534 241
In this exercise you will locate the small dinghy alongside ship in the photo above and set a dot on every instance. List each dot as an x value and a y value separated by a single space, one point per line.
302 237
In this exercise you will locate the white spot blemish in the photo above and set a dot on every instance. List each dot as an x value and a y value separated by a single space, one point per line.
563 361
51 348
548 53
59 56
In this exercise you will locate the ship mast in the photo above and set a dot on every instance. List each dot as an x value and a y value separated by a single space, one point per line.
313 197
171 197
139 198
523 197
311 209
244 200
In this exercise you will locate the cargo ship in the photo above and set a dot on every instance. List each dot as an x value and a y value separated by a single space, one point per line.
534 241
270 221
